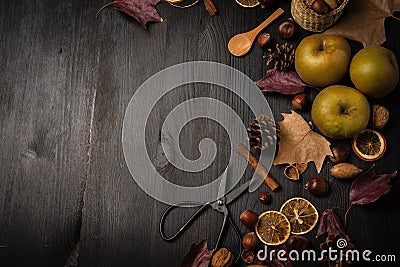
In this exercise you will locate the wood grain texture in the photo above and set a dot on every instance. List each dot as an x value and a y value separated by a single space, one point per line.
65 82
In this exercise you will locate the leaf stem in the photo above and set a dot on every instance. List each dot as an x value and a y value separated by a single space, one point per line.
345 215
103 7
187 6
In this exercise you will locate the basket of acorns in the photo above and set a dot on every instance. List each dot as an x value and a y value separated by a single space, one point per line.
317 15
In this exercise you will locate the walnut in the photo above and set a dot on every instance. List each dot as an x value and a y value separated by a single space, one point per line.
222 258
380 116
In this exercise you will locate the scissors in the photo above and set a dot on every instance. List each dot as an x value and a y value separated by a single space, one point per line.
219 205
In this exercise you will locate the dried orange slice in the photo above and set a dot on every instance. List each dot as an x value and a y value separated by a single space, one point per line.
272 228
302 215
248 3
369 145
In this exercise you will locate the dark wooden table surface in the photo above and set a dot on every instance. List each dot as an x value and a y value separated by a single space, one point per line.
65 81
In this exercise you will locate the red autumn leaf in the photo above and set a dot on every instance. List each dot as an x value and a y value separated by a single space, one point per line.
369 187
142 10
330 223
198 256
285 82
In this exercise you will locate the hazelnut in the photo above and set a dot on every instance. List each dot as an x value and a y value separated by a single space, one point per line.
249 219
320 7
297 243
250 241
247 256
318 186
380 116
265 197
300 102
222 258
267 3
287 29
264 40
340 155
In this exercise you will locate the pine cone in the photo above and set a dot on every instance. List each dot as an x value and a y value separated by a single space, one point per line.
283 57
332 242
261 133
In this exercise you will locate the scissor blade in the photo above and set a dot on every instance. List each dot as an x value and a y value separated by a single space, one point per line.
222 185
237 192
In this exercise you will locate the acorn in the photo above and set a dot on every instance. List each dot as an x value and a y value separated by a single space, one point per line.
318 186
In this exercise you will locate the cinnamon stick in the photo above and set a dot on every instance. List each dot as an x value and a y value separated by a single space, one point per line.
210 7
257 167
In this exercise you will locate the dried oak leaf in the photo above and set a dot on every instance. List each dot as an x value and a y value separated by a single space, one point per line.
299 144
198 256
369 187
142 10
329 223
365 21
284 82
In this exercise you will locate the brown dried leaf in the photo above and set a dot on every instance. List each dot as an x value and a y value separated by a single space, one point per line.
365 21
299 144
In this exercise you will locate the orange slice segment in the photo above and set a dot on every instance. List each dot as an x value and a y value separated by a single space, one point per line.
248 3
272 228
369 145
302 215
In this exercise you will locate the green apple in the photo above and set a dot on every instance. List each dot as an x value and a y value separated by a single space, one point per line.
374 71
340 112
322 59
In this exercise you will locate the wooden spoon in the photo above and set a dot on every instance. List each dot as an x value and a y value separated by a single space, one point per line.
240 44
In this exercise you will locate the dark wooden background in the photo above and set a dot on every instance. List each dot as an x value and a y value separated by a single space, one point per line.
65 81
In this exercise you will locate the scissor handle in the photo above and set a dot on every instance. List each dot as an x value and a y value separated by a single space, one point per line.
227 217
186 224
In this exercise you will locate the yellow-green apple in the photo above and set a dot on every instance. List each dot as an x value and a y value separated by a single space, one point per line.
374 71
340 112
322 59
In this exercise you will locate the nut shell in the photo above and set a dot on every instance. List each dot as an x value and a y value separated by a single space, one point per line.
300 101
265 197
298 243
318 186
287 29
264 40
320 6
247 256
380 116
340 155
345 171
250 241
249 218
222 258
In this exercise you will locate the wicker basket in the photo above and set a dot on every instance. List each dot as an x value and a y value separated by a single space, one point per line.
311 20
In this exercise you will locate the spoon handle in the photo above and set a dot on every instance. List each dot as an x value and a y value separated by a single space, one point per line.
266 22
